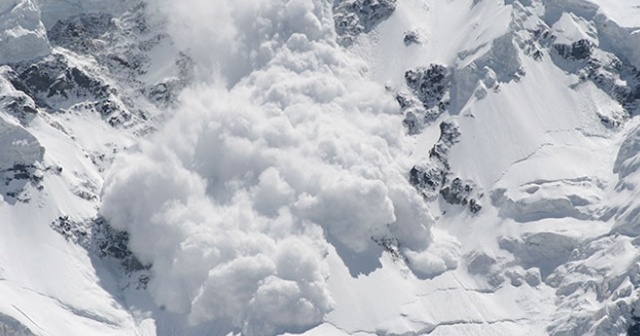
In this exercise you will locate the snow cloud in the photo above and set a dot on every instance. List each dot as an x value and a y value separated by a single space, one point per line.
281 143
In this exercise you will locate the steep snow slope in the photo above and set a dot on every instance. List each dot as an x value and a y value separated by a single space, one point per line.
23 34
66 112
314 167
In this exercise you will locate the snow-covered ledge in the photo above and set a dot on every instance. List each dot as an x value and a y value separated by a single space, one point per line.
22 34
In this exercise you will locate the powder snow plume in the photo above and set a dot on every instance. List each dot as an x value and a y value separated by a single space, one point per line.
281 151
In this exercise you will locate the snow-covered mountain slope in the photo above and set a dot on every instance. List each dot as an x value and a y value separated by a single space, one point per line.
317 167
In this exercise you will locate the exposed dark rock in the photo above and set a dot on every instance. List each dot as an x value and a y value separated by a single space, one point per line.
69 230
579 50
165 93
541 39
15 178
432 178
611 74
618 79
474 207
416 117
610 121
392 246
80 32
53 76
543 34
457 192
461 192
99 239
354 17
21 171
114 244
429 99
537 55
404 100
20 106
449 134
634 326
104 242
411 37
120 48
427 179
412 123
430 85
54 85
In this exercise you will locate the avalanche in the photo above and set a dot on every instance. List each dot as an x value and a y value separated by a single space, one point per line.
316 167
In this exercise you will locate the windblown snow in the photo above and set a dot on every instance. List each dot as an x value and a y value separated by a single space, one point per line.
319 167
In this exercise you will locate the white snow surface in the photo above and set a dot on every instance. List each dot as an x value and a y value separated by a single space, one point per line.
274 197
22 34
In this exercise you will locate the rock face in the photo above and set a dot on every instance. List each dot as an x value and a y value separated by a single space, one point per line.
76 82
55 78
435 178
578 50
411 37
126 50
430 177
613 73
22 34
80 32
354 17
430 85
460 192
21 158
101 240
17 103
70 100
429 97
55 84
60 10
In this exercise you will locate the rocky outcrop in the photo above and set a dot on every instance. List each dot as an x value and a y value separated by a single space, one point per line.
94 47
434 177
412 37
461 192
21 158
429 97
16 103
615 76
430 85
430 177
101 240
82 33
354 17
56 85
578 50
54 79
123 46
